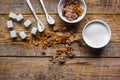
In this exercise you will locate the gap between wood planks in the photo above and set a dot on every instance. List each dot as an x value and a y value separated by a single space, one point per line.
111 51
1 14
49 56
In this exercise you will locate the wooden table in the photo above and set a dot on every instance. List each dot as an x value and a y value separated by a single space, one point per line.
20 60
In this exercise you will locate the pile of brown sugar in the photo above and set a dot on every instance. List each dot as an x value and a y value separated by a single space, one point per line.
72 10
57 36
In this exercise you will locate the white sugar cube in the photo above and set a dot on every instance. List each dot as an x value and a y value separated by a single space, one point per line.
34 30
22 35
19 17
13 34
27 23
10 24
12 15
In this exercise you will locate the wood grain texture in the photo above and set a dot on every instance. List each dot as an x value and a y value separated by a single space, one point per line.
74 69
18 47
22 60
94 6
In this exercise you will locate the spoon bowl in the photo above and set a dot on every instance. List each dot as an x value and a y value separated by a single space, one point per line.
50 20
40 26
39 23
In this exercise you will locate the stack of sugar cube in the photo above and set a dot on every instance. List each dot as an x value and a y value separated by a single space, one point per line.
16 17
19 18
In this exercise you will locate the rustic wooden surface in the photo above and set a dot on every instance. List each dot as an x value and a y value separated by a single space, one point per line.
21 61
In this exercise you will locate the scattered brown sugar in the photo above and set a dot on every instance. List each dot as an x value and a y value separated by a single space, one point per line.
36 42
55 60
50 38
44 47
60 51
68 42
43 52
56 28
51 58
72 10
74 37
48 33
62 59
70 54
79 42
69 49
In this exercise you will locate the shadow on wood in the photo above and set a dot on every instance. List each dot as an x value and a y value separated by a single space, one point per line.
95 52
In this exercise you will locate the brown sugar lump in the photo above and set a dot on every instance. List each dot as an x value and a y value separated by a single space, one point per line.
62 59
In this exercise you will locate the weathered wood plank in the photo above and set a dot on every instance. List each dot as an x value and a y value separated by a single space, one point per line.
112 20
111 50
94 6
18 47
26 62
73 69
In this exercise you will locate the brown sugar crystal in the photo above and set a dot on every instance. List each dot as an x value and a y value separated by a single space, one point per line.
62 59
72 10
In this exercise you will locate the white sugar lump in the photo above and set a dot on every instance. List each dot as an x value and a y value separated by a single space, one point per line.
12 15
19 17
34 30
23 35
10 24
13 34
27 23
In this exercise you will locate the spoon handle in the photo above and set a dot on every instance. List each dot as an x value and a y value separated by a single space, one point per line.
43 7
31 7
39 23
50 20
